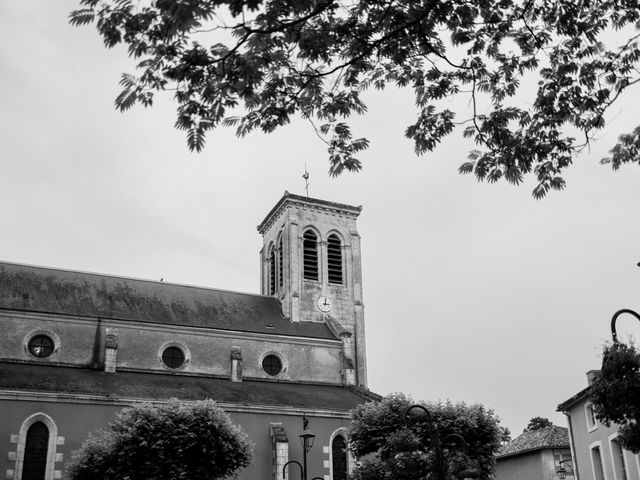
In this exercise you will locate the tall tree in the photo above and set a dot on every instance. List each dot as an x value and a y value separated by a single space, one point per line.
394 443
615 392
254 64
537 423
164 442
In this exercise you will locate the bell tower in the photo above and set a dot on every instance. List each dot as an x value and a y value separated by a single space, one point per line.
310 261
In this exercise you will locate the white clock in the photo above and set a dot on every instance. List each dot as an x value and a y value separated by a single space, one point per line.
324 304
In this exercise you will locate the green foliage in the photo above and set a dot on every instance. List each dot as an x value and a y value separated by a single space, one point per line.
537 423
254 64
615 392
469 434
194 441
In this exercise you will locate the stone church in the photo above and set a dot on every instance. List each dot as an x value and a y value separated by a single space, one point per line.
77 347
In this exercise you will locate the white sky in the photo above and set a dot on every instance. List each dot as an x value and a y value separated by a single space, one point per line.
473 292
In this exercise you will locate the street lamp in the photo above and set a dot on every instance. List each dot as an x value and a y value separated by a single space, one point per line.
562 472
306 438
435 441
614 335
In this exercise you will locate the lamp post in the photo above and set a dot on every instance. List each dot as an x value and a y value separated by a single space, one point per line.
614 335
306 438
435 442
562 472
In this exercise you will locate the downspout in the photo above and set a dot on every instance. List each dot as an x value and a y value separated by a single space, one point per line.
572 446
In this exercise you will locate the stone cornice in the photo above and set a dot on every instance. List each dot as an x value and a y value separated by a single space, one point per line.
312 204
18 395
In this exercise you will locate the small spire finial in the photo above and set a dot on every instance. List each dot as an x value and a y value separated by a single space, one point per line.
305 175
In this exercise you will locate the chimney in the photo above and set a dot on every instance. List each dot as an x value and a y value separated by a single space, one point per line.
591 376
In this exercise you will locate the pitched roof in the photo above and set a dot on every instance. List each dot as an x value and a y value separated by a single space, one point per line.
158 386
548 437
581 395
47 290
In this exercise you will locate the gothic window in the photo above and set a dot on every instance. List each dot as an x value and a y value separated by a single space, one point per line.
41 346
35 452
272 365
339 458
272 272
173 357
280 261
310 255
334 259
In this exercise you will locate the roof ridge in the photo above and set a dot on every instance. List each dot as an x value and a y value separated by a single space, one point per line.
135 279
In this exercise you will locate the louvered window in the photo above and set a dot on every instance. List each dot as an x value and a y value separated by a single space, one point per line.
310 252
334 259
280 269
272 272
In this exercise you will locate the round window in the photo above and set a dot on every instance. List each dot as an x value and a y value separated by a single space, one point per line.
41 346
173 357
272 365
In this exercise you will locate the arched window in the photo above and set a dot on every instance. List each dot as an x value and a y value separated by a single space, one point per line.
339 458
35 452
280 261
310 255
272 272
334 259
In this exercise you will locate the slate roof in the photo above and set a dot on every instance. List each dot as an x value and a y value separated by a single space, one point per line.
548 437
47 290
154 386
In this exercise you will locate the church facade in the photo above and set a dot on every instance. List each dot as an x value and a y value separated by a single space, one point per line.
78 347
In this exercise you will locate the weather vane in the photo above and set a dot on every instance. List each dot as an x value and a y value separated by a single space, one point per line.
305 175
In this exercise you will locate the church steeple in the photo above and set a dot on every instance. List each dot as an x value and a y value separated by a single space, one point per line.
310 261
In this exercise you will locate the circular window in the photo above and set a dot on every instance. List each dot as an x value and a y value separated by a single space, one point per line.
272 365
41 346
173 357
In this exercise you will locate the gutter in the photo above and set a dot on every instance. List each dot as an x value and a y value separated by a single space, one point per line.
572 445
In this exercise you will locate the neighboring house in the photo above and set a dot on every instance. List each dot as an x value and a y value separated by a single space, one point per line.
597 453
77 347
535 455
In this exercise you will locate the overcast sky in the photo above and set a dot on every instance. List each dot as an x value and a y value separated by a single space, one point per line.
472 291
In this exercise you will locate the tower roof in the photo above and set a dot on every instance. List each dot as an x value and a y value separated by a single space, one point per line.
309 203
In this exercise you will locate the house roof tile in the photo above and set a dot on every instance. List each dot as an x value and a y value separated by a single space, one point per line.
548 437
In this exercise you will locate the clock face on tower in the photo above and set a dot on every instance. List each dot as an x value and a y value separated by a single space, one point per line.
324 304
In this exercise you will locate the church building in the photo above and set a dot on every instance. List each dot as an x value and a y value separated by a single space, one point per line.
78 347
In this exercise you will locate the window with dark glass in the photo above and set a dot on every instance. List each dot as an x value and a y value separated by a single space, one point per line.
334 259
41 346
272 365
339 458
310 255
280 261
35 452
272 272
173 357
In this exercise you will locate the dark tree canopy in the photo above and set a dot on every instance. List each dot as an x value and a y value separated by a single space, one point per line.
388 448
256 64
537 423
164 442
615 392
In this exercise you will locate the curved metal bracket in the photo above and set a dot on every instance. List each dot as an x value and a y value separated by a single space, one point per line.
435 438
290 462
614 335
